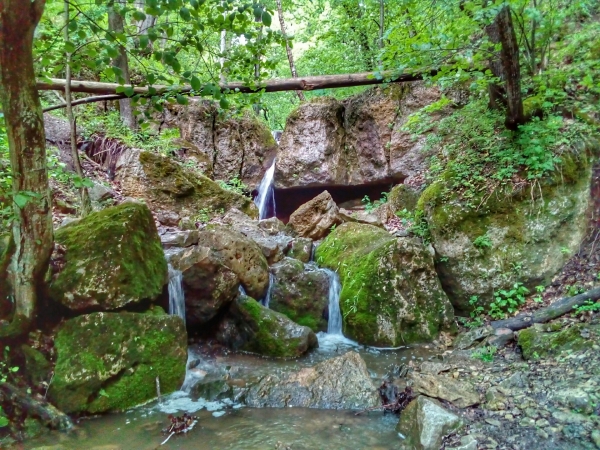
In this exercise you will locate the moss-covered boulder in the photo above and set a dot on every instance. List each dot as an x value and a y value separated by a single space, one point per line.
110 361
506 236
168 186
542 340
108 260
300 292
249 326
242 255
390 291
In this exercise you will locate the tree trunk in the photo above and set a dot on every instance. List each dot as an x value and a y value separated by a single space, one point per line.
288 49
509 56
148 22
32 227
117 25
381 22
223 49
86 206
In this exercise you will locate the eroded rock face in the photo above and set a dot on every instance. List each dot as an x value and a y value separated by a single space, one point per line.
300 294
251 327
111 258
460 393
358 141
391 294
241 147
269 234
315 218
424 423
209 285
169 188
239 254
528 235
338 383
110 361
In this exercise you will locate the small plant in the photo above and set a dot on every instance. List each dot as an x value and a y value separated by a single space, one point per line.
235 185
482 242
507 301
565 250
203 216
485 353
538 298
575 290
5 368
333 227
588 306
370 206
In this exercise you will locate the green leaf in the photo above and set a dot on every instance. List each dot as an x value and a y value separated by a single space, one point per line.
185 13
14 369
129 92
144 41
139 15
195 82
181 99
224 103
21 199
69 47
266 18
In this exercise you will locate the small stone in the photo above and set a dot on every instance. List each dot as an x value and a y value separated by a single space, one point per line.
596 437
541 433
509 417
542 423
532 413
527 422
494 422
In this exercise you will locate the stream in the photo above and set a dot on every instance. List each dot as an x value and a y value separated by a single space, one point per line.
229 425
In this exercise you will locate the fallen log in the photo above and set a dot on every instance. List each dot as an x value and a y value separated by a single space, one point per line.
556 309
39 408
284 84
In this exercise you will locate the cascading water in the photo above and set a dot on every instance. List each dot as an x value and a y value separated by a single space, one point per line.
265 200
176 295
265 301
334 324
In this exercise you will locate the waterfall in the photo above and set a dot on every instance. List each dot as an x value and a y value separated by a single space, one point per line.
265 301
334 324
265 200
176 295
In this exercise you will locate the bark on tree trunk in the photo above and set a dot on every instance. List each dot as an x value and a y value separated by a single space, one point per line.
32 227
509 55
148 22
495 90
86 206
117 25
288 49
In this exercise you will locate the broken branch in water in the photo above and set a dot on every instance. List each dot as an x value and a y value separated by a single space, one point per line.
392 400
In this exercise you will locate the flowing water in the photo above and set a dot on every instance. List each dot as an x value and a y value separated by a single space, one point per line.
265 200
176 295
265 301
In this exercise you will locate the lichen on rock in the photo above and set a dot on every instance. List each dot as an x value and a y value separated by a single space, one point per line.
390 292
112 258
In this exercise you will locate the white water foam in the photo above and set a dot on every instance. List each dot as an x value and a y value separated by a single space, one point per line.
265 200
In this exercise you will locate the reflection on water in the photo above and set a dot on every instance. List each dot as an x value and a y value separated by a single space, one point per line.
227 425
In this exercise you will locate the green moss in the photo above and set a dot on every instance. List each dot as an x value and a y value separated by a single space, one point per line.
110 361
113 257
544 340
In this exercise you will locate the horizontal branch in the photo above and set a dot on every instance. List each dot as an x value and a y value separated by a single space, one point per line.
81 101
552 311
285 84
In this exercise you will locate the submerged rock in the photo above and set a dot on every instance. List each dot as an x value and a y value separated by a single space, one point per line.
424 423
251 327
110 361
315 218
491 242
169 187
390 291
541 340
300 292
338 383
111 258
209 285
240 254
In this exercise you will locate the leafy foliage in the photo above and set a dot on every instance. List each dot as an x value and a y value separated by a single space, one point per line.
508 301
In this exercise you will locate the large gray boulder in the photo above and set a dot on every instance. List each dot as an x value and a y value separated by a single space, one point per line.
338 383
240 254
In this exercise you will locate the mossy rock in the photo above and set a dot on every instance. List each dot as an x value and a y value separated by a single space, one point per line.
391 294
543 340
112 258
37 366
300 292
275 334
167 186
110 361
529 234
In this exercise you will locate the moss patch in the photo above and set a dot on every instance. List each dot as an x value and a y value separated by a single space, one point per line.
113 258
543 340
110 361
